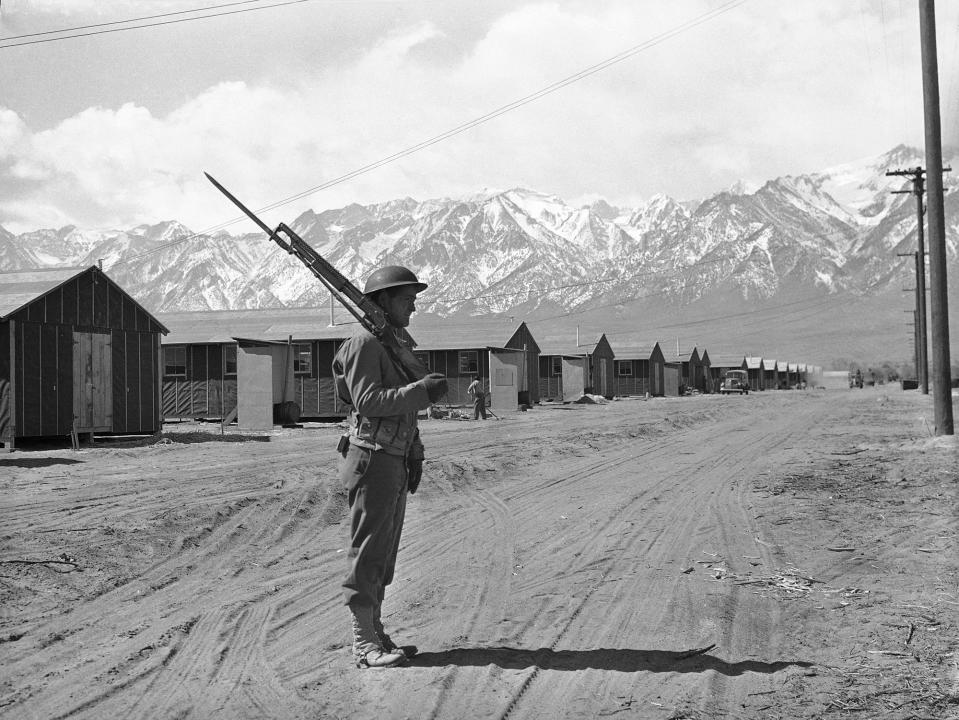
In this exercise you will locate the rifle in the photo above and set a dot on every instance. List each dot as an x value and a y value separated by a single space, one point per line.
368 313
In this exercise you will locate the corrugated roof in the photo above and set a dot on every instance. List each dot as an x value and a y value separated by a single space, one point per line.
21 288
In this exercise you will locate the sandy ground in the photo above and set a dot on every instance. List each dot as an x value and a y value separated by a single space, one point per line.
780 555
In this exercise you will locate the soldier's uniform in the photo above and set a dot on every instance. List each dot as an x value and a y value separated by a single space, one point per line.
383 434
383 446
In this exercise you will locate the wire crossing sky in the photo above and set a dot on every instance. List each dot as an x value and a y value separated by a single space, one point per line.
325 102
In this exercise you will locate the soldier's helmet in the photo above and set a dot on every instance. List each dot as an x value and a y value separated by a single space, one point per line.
391 276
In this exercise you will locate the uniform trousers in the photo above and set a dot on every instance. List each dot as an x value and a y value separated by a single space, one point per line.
376 484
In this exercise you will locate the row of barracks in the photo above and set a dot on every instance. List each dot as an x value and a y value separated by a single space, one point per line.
79 355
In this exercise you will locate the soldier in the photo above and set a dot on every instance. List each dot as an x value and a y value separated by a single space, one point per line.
382 457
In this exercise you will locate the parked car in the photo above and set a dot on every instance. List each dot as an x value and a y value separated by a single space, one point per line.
735 381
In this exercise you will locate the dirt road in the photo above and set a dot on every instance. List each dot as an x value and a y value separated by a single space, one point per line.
779 555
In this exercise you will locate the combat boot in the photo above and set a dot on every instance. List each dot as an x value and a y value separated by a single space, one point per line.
368 650
385 640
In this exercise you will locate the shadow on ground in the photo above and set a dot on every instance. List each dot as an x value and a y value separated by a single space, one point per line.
617 660
36 462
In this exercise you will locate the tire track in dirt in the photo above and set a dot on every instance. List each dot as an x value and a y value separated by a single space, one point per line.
461 694
203 565
688 520
601 570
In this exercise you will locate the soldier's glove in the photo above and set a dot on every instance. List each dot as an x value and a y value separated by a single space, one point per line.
436 386
414 473
414 466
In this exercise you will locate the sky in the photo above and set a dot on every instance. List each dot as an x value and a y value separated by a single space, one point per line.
275 98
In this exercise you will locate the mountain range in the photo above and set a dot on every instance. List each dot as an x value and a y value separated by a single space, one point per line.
807 265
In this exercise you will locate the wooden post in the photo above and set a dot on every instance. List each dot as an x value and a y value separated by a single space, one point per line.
939 298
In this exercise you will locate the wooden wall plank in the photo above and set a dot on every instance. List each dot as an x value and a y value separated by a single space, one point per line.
65 378
49 382
5 384
29 380
101 306
84 285
146 376
115 299
121 395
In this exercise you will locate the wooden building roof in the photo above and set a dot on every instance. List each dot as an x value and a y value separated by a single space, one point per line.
20 292
684 356
625 350
18 289
277 324
727 361
436 333
754 363
566 345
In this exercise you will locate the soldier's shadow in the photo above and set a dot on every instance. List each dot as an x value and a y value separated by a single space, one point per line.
616 660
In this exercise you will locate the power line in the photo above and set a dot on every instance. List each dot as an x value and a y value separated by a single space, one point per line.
547 90
129 20
145 25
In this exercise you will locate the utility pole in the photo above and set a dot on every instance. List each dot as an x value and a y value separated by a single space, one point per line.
918 188
939 298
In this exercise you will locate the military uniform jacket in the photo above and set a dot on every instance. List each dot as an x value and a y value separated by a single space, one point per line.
383 402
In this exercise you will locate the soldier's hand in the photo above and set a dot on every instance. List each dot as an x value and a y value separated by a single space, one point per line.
414 473
436 386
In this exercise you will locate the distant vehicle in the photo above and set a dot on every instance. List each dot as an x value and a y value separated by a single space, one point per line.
735 381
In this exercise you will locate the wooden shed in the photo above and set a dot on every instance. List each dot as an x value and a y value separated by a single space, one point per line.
638 368
782 371
720 363
706 363
569 367
770 374
756 371
500 351
77 353
202 355
692 374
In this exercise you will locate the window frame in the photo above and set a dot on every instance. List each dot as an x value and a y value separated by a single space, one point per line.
173 349
472 362
302 350
556 366
626 365
227 349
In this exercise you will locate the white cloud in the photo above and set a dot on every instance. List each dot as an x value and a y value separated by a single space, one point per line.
762 90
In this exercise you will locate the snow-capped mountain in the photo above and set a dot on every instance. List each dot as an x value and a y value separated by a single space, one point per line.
523 251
